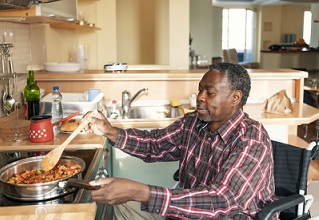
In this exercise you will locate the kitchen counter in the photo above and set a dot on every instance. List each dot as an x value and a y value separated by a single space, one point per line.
156 75
79 211
290 51
307 59
180 84
304 115
81 141
57 211
168 84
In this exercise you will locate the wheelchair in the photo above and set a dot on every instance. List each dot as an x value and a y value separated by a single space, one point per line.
291 165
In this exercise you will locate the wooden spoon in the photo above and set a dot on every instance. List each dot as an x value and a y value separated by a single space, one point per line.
53 157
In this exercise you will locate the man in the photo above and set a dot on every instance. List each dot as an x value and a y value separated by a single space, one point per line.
226 162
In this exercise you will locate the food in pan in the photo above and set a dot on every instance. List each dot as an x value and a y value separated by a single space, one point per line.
40 176
70 125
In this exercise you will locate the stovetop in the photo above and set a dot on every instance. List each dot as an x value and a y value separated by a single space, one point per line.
65 199
93 159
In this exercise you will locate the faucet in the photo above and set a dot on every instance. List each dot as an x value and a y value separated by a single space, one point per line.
127 101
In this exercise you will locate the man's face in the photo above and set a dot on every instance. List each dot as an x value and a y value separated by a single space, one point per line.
216 103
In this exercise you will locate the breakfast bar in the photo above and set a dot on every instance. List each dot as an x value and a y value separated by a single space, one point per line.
180 84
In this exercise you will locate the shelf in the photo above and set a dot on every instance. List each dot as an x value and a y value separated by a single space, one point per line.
72 26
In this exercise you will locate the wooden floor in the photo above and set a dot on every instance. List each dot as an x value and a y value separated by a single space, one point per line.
312 132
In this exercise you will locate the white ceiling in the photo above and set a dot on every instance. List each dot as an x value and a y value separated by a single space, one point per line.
264 2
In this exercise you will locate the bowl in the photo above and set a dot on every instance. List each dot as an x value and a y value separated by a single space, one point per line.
62 67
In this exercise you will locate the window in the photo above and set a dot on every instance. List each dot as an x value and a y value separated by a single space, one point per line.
307 26
238 32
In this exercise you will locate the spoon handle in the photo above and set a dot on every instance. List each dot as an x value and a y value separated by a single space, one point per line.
77 130
53 157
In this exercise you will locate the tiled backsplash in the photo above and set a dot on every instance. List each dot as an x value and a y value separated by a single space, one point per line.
19 35
21 40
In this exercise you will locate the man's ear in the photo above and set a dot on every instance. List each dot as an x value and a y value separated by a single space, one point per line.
237 97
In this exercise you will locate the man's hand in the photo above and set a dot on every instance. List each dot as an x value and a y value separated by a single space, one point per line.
99 125
116 191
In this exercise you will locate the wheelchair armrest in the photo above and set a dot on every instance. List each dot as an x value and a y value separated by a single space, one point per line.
280 205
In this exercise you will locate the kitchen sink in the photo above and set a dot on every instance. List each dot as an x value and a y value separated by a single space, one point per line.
154 112
150 112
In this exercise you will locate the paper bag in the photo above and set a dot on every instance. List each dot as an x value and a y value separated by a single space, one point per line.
278 103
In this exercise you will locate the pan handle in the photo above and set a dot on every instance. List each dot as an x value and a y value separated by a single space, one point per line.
81 184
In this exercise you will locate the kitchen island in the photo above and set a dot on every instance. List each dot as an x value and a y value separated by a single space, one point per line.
297 59
180 84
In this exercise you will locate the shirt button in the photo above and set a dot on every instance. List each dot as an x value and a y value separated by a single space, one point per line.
157 210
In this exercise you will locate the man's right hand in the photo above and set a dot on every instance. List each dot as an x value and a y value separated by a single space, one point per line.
99 125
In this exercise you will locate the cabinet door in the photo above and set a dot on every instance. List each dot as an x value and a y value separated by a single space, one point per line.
123 165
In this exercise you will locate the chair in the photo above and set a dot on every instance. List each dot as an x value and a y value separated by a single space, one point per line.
291 165
230 56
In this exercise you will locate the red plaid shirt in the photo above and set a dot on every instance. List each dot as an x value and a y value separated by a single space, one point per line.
227 174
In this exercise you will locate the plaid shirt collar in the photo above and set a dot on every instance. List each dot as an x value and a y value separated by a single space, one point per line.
231 124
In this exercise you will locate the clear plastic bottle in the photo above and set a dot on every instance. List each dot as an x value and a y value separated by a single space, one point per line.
57 109
114 111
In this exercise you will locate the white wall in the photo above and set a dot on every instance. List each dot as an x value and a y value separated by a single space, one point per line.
279 20
315 26
171 35
174 20
205 28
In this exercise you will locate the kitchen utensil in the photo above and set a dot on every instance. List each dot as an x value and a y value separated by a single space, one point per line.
39 191
4 97
41 128
51 159
8 100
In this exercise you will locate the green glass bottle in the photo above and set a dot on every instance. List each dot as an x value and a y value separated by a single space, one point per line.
31 97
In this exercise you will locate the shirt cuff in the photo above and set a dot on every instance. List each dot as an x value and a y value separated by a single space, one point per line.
159 200
120 139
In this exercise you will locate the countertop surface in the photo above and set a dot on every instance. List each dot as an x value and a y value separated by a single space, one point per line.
290 51
56 211
153 75
7 130
302 114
